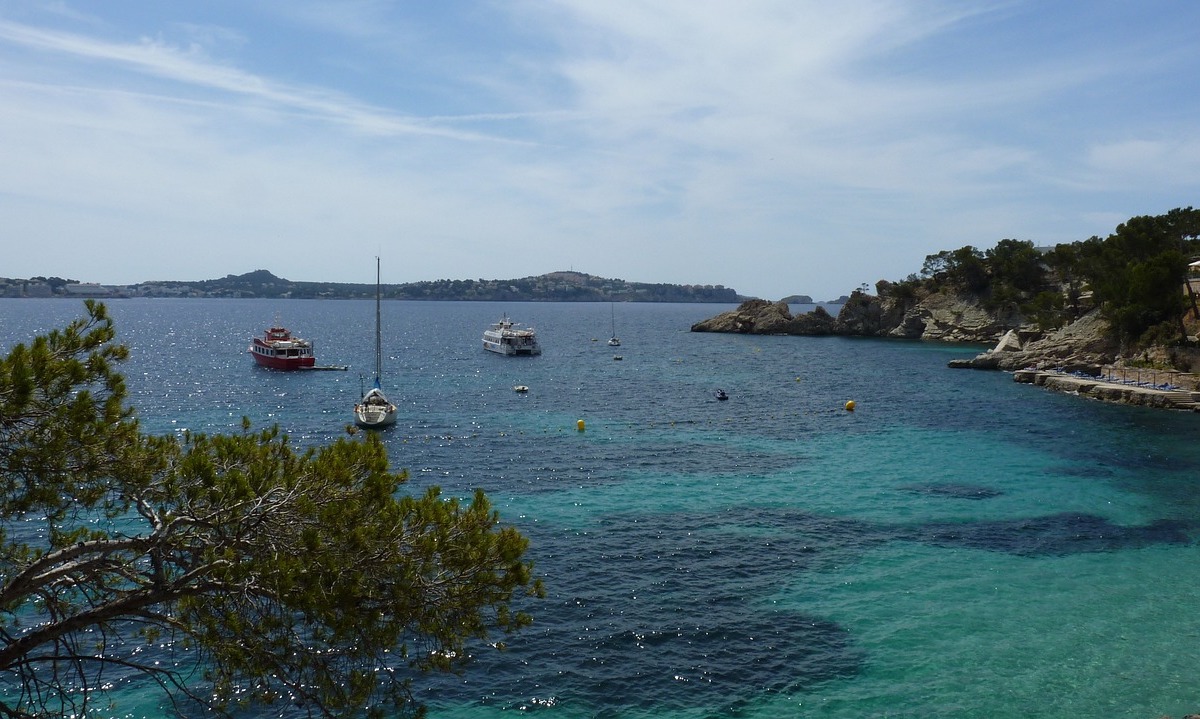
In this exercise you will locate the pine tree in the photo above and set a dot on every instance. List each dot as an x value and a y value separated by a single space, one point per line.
228 569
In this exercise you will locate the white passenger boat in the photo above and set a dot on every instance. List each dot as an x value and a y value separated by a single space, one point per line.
508 338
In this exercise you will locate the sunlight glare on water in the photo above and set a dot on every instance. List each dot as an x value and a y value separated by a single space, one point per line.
957 546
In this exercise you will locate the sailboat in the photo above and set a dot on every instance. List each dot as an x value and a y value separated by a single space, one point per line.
613 341
374 411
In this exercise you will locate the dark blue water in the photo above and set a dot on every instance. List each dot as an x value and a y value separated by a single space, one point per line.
958 546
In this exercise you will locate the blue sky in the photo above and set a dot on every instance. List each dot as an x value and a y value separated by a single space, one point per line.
775 147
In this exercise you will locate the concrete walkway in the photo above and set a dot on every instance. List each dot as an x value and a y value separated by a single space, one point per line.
1112 389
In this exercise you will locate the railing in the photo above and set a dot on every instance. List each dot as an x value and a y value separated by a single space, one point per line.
1150 378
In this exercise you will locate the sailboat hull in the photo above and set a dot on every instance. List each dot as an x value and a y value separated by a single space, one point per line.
374 410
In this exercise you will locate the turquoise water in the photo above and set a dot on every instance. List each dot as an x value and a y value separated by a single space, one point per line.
958 546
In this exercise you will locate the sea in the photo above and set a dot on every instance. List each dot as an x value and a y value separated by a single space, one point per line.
956 545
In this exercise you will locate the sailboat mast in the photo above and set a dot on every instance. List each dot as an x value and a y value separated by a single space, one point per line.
378 336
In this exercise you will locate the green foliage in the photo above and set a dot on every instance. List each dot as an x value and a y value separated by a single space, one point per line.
1138 272
1136 275
963 269
1047 309
1004 277
1015 265
280 575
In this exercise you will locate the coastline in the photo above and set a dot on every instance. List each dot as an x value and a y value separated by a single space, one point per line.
1078 358
1114 389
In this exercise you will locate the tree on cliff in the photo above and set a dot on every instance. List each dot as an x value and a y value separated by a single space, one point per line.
225 570
963 269
1138 274
1017 266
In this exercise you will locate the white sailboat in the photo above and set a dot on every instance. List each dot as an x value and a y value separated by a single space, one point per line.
375 411
613 341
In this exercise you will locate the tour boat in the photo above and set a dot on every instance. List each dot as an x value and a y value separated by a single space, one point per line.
507 338
278 349
374 410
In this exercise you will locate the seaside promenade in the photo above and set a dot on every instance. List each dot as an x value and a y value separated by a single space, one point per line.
1123 385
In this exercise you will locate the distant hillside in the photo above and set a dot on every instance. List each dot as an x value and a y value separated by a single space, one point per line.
552 287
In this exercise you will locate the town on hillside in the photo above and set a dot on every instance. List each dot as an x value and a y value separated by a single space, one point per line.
552 287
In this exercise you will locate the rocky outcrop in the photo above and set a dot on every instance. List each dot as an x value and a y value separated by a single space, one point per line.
1082 346
949 318
940 317
1079 358
761 317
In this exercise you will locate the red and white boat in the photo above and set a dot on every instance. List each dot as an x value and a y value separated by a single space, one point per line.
278 349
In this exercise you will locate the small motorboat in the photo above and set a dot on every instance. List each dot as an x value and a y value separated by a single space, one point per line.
520 388
720 394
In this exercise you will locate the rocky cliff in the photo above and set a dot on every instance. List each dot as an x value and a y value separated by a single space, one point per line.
1081 346
760 317
1080 357
940 317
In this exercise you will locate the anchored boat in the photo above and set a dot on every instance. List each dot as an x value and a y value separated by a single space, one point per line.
613 341
374 410
278 349
508 338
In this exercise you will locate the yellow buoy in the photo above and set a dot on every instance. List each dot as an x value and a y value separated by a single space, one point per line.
579 425
850 406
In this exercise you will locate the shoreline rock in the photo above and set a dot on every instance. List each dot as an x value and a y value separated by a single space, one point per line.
760 317
1081 346
938 317
1072 359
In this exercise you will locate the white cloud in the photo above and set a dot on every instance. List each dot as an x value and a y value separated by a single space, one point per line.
1164 161
644 141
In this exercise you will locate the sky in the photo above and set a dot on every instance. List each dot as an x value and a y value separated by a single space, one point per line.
775 147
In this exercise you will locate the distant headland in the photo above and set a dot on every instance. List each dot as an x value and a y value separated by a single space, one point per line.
552 287
1115 318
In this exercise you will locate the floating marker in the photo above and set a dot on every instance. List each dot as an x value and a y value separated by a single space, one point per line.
850 406
579 425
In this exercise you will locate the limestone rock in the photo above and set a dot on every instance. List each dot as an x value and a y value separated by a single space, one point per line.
943 317
949 318
1082 345
761 317
749 318
1010 342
